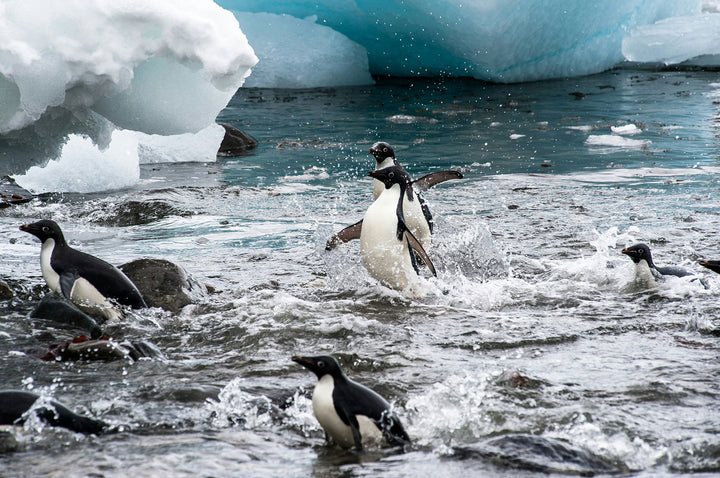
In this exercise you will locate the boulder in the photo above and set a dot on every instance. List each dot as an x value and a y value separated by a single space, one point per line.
55 307
235 143
164 284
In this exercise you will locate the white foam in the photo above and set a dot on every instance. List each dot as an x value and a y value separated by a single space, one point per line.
627 130
84 168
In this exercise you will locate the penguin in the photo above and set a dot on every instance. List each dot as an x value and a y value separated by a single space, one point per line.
417 213
350 413
712 265
85 280
387 245
14 405
645 268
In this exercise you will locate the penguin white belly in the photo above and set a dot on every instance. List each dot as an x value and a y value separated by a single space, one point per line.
51 277
416 221
88 298
378 186
644 275
324 410
385 257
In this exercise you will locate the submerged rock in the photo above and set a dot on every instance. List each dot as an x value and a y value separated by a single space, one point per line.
136 213
12 194
105 349
56 308
235 142
8 442
164 284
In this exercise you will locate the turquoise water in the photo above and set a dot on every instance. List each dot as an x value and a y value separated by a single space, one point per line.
533 350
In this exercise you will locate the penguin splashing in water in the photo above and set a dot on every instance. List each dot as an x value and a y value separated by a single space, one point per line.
387 245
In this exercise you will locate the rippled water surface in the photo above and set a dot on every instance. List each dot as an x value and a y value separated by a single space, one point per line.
534 350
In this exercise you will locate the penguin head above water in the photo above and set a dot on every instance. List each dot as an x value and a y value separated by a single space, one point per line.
44 230
639 252
392 175
320 365
381 151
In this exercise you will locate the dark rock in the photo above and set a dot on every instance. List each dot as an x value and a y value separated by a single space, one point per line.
56 308
83 348
235 142
135 213
11 193
164 284
6 292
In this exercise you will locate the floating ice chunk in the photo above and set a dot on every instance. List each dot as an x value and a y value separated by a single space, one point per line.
676 40
83 168
181 148
617 141
583 128
517 136
627 130
306 55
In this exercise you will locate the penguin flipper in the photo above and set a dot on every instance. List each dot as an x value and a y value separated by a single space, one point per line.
346 235
430 180
67 282
350 420
418 248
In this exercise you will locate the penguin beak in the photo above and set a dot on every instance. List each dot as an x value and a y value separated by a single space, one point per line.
302 361
627 252
375 174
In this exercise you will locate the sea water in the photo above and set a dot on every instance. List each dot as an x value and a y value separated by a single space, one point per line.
533 350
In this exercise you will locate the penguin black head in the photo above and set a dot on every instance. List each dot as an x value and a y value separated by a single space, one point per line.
44 230
320 365
381 151
392 175
639 252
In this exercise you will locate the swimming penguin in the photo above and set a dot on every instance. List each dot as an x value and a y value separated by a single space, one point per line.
386 241
417 213
350 413
712 265
645 268
89 282
14 404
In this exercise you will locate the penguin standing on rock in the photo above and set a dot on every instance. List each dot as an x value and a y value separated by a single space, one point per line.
387 245
350 413
87 281
417 213
645 268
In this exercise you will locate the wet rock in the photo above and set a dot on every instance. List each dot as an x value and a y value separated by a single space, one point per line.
12 194
6 292
58 309
103 349
164 284
8 442
135 213
537 454
235 142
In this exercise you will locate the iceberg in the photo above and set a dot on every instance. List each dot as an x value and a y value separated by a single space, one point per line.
85 67
499 41
306 55
694 39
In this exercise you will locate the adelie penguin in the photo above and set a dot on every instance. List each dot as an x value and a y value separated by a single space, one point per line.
87 281
387 246
350 413
417 213
646 270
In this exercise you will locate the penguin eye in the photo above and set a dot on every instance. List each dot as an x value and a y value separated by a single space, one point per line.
391 175
45 229
641 251
321 364
384 150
